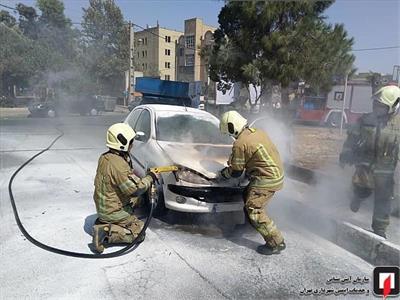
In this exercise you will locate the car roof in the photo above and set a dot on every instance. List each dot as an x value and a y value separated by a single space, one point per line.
172 108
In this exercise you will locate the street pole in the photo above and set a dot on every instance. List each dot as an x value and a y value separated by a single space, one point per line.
131 88
344 103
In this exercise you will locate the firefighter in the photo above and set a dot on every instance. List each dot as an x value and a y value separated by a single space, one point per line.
254 153
117 189
372 145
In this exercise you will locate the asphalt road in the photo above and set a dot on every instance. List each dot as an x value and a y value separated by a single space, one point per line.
183 256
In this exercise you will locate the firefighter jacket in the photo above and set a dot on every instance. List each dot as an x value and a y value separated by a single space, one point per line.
254 152
374 143
116 186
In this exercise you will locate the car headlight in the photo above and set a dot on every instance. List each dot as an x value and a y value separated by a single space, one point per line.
189 176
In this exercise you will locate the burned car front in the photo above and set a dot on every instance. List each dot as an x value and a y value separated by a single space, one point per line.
194 143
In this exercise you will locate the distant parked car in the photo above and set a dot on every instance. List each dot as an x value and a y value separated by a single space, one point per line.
189 138
43 109
84 105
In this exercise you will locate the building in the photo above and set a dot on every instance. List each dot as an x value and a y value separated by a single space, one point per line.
155 52
190 65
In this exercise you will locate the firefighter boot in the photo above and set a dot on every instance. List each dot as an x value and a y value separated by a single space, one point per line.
355 204
100 235
269 250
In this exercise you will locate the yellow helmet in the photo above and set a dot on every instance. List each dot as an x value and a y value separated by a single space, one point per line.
120 136
232 123
390 96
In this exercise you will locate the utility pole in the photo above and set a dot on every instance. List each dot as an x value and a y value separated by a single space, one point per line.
131 88
344 103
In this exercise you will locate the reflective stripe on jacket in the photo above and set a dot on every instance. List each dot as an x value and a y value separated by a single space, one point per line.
115 185
254 152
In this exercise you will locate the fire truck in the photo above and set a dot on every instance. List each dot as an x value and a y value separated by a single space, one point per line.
328 109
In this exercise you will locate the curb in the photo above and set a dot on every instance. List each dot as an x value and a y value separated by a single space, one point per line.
363 243
367 245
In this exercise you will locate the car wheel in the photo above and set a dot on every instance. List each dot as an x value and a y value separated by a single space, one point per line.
334 120
93 112
160 209
51 113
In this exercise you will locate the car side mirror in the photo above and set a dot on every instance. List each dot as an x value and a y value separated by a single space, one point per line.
140 136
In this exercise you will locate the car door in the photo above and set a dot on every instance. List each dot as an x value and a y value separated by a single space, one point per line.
141 150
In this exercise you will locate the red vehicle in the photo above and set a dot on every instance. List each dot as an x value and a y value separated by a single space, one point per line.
328 110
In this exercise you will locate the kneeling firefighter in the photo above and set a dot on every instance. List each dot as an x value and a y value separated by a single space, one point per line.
117 189
372 146
254 153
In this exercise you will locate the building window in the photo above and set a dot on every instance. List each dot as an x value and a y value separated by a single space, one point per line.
167 39
189 60
181 51
145 40
142 53
189 41
167 77
138 54
145 53
145 66
167 65
167 52
142 66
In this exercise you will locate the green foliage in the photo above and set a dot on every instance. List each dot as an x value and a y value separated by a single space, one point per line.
7 19
21 59
106 44
43 49
278 42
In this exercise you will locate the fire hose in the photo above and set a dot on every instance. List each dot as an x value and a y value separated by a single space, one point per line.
131 246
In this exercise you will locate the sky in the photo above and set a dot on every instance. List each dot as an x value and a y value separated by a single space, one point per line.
372 23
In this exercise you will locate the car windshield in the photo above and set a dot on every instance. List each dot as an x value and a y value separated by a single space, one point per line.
190 128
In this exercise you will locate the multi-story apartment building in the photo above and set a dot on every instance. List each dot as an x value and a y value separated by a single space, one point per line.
190 65
155 52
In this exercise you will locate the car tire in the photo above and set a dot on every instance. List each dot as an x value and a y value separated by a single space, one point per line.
51 113
93 112
334 120
160 209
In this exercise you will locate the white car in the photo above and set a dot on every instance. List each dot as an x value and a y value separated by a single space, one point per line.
189 138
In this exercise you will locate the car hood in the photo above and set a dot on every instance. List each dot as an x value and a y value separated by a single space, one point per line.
206 159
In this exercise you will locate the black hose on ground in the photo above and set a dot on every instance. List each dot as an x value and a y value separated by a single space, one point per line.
61 251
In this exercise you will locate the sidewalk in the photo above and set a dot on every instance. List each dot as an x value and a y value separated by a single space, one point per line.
23 112
20 112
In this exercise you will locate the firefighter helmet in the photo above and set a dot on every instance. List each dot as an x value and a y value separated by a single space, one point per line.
232 123
120 136
389 96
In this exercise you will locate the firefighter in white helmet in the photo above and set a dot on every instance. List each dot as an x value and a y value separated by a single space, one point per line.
117 189
254 153
372 146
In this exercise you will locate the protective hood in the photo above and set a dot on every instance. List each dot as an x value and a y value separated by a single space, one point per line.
206 159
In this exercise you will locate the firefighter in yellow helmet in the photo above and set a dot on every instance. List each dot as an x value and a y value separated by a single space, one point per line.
254 153
117 189
372 146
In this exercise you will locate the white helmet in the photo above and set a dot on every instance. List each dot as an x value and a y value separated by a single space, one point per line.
232 123
389 96
120 136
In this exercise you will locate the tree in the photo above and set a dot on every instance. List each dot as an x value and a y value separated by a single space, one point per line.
7 19
28 21
260 43
41 44
56 33
21 59
106 40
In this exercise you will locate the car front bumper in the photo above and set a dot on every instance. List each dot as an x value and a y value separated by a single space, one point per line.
203 199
